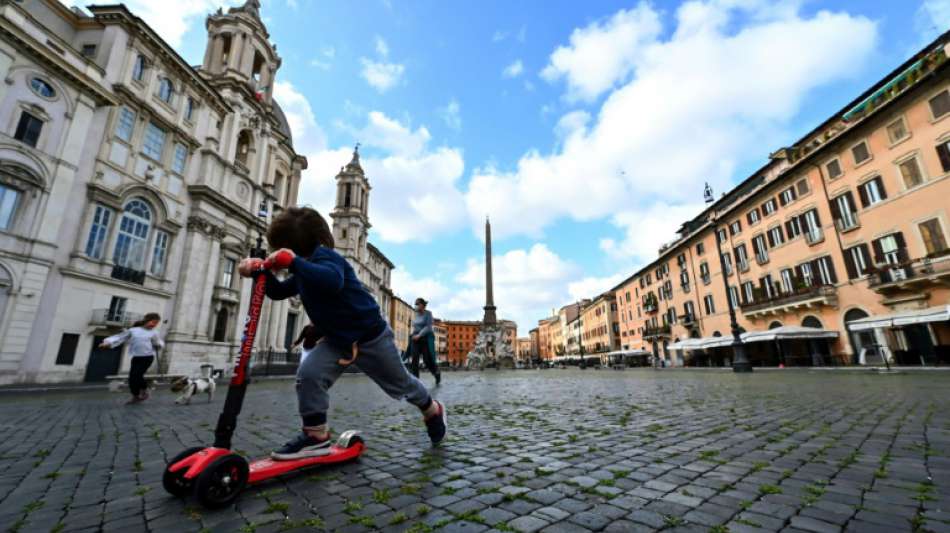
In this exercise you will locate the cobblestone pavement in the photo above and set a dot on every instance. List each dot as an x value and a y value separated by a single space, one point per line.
552 451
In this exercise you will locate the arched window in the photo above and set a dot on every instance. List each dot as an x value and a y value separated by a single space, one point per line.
243 147
774 325
166 90
130 245
225 48
221 325
717 334
811 322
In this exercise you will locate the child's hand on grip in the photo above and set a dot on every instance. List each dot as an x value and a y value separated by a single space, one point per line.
280 259
249 265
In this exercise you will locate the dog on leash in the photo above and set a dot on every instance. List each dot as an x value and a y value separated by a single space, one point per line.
189 387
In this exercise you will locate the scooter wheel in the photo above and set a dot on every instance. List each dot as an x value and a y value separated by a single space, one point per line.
175 483
221 481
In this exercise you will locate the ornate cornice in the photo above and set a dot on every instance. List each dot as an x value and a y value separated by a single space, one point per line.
200 224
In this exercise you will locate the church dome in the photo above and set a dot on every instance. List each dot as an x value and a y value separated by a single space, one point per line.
282 125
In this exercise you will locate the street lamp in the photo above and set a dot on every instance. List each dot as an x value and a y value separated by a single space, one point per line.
740 361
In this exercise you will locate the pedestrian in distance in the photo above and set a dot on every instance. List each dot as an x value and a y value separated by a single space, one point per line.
143 342
422 341
346 319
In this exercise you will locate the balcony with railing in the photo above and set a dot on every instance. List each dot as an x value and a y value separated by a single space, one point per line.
688 320
111 317
130 275
662 330
650 304
847 222
801 296
911 274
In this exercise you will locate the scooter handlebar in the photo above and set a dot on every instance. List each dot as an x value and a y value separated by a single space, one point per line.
279 261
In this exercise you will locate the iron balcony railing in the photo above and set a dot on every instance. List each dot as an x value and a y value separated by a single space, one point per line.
934 265
650 331
131 275
110 317
779 297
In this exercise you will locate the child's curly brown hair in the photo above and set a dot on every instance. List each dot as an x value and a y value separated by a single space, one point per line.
301 229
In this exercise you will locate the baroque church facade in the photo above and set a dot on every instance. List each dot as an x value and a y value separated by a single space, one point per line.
132 182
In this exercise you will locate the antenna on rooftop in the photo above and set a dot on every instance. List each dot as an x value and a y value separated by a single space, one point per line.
708 194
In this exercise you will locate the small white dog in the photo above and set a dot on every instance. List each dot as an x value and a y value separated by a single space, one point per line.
192 386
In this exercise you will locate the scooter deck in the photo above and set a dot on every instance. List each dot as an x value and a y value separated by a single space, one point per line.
266 468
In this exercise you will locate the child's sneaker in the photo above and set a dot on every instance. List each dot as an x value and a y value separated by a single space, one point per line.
436 425
301 446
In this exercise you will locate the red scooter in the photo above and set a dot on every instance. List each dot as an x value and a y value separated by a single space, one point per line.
216 475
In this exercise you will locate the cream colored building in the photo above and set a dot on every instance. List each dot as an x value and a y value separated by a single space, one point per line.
524 350
600 329
835 251
132 182
400 320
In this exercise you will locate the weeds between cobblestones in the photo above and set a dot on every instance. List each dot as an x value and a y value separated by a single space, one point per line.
553 451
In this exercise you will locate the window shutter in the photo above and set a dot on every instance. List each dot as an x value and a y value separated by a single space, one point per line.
817 218
793 193
748 217
831 269
880 187
943 152
867 257
850 199
835 210
781 199
788 228
863 194
771 240
815 272
849 264
901 243
878 251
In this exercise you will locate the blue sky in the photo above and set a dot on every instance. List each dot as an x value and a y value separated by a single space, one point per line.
585 129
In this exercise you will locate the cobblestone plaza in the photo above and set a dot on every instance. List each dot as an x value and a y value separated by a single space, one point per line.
553 451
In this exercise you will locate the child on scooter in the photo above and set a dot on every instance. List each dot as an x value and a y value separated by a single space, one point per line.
143 339
348 322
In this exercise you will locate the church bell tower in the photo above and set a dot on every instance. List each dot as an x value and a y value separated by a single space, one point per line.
350 215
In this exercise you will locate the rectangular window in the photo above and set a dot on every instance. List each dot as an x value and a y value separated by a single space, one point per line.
843 210
704 273
88 50
943 153
788 281
760 249
700 248
227 273
734 297
768 207
154 143
857 261
125 124
940 104
28 129
860 153
67 349
116 309
138 69
181 156
752 217
742 258
802 187
97 233
808 277
793 227
710 304
735 228
826 270
158 253
833 168
748 292
910 172
768 288
721 235
8 203
787 196
189 109
776 237
812 226
872 192
727 261
932 234
681 260
897 131
889 250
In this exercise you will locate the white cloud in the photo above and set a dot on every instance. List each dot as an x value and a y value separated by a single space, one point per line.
171 19
308 136
702 99
591 287
646 230
380 75
415 194
932 18
604 53
381 47
513 70
325 61
451 115
499 36
408 287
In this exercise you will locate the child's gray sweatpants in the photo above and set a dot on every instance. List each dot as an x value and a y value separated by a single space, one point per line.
379 359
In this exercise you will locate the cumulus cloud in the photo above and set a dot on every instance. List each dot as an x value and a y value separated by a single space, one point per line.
646 230
381 47
513 70
698 100
380 75
451 115
308 136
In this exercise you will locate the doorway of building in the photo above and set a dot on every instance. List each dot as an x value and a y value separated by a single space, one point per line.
920 345
102 361
859 339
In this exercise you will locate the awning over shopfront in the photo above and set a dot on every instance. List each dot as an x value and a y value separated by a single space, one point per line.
782 333
904 318
788 333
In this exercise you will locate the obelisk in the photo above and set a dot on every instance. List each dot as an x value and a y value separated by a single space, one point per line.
489 319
